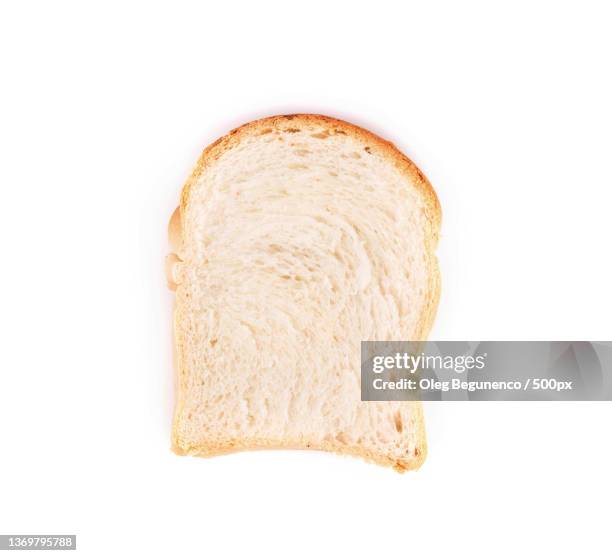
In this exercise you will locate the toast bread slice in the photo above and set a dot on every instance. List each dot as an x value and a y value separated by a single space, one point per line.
296 238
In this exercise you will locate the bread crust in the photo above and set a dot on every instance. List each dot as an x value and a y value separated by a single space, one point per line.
373 144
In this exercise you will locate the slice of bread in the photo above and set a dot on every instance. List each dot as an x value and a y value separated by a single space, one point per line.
296 238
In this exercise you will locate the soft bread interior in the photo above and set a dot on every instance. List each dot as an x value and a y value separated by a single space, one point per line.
297 239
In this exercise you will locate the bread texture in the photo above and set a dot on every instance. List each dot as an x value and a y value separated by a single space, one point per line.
296 238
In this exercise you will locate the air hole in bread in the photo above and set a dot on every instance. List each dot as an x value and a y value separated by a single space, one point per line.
342 438
397 418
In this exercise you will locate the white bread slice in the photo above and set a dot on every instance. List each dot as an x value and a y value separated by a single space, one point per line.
296 238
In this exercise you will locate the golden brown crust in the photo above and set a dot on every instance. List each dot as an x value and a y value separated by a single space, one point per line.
373 144
231 447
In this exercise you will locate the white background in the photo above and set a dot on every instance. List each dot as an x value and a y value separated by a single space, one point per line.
104 110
